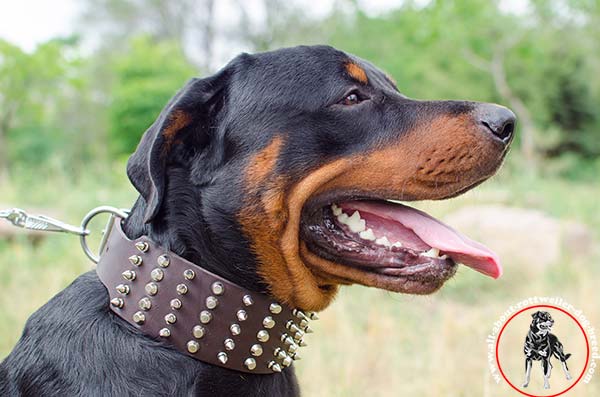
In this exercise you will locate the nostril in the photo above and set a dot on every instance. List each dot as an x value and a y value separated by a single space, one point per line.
506 131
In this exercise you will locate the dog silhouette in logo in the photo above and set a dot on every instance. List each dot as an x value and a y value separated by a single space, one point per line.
541 345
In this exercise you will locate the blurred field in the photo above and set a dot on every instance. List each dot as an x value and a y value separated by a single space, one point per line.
368 342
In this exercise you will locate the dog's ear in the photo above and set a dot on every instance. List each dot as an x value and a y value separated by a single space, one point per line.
536 314
185 120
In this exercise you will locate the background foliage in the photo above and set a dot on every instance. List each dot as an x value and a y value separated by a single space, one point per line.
74 108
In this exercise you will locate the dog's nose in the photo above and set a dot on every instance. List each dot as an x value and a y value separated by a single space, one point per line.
496 119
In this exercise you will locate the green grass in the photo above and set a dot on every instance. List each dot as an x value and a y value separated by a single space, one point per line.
369 342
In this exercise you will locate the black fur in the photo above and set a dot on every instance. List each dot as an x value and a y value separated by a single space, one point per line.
191 192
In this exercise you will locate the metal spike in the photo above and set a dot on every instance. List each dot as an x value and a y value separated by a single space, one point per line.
248 301
189 274
205 316
292 348
250 363
287 361
211 302
274 366
170 318
123 289
298 335
235 329
193 346
142 246
295 356
164 332
262 335
302 343
175 304
275 308
117 302
128 275
303 323
308 330
222 356
145 303
268 322
139 317
300 314
229 344
157 274
135 260
198 331
256 350
242 315
163 261
313 315
151 288
279 353
182 289
292 326
217 288
288 340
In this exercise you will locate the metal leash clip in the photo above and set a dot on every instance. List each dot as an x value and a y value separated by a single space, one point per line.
22 219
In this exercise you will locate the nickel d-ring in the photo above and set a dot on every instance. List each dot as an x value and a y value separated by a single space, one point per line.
114 214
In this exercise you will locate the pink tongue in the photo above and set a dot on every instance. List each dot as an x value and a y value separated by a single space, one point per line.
435 234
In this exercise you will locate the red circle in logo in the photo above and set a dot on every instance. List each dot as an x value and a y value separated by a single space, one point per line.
587 355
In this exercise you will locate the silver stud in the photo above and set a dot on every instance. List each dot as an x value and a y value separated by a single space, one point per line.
250 363
117 302
211 302
182 289
222 356
205 316
292 326
308 330
300 314
302 343
292 348
128 275
157 274
256 350
142 246
164 332
295 356
304 323
217 288
123 289
193 346
287 361
189 274
135 260
229 344
145 303
175 304
274 366
242 315
288 340
235 329
275 308
198 331
170 318
268 322
262 335
279 353
139 317
298 335
163 261
248 301
313 315
151 288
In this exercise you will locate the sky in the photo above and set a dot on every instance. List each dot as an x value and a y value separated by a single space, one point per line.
30 22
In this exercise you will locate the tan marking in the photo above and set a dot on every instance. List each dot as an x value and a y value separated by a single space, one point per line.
434 161
356 72
177 121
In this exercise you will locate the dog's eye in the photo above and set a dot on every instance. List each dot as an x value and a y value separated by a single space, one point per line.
351 99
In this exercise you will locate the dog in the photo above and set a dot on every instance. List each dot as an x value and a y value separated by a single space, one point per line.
275 174
541 345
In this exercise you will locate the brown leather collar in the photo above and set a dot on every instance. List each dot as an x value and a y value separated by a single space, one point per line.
197 312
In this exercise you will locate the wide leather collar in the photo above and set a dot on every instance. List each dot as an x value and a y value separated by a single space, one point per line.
199 313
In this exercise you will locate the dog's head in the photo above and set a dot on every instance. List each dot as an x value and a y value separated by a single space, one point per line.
258 171
542 322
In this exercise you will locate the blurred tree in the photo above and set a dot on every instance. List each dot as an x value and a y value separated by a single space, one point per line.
146 77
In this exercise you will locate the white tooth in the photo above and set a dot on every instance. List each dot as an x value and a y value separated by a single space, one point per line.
397 244
383 241
356 224
343 218
337 211
367 235
444 257
432 253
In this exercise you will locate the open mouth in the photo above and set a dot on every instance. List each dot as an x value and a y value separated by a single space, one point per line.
393 241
